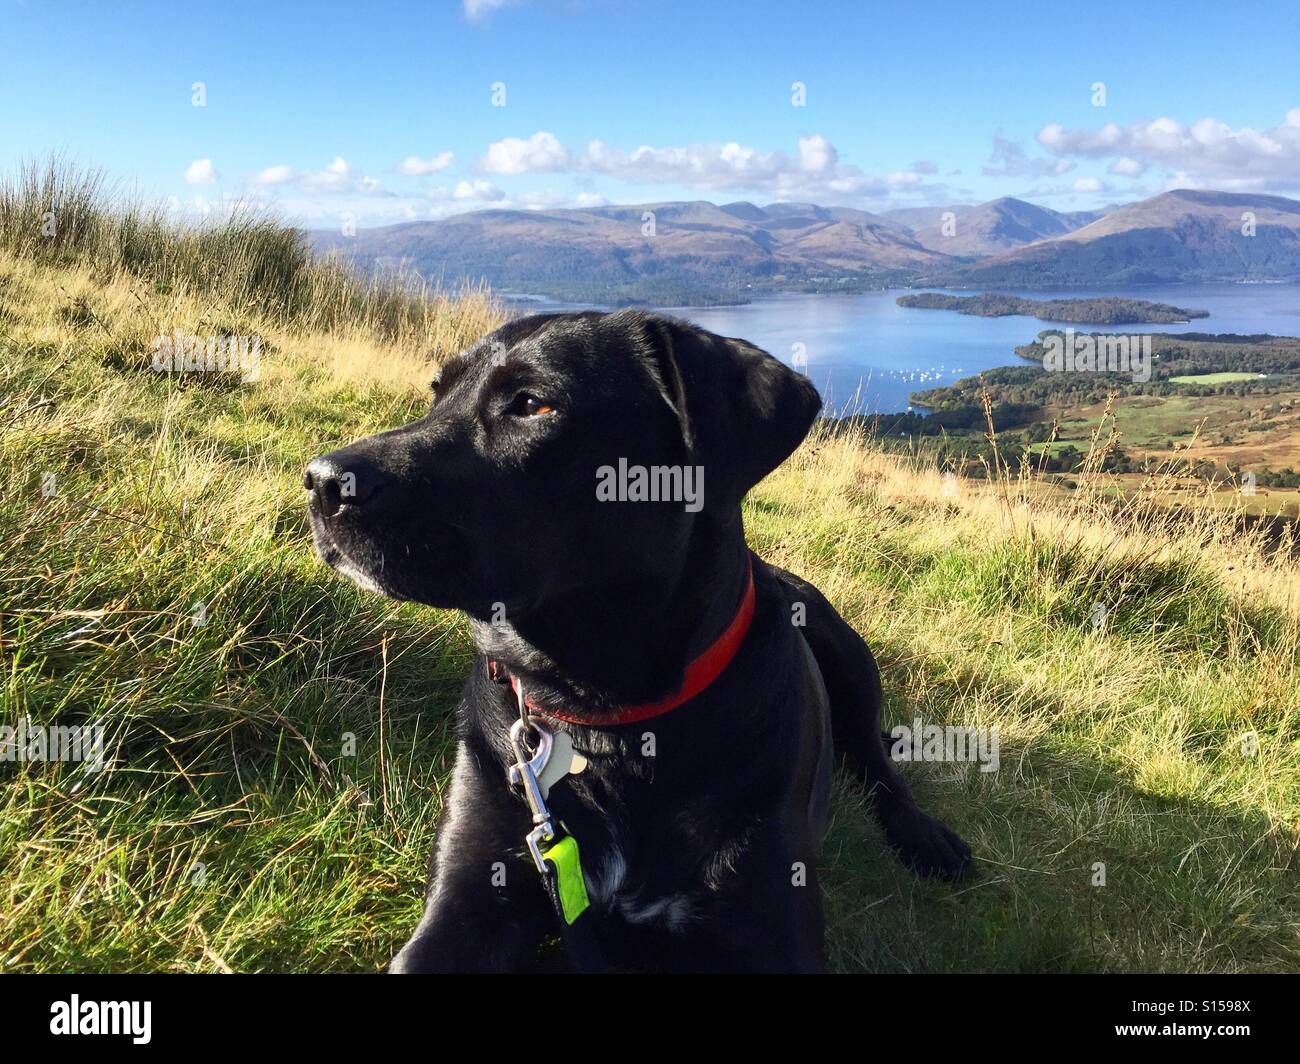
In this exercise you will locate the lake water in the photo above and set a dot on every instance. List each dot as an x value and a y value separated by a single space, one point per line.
866 353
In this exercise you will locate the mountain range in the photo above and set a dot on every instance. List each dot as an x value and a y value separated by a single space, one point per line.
1175 237
979 230
696 251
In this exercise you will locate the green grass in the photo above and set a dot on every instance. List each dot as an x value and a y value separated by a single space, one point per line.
247 263
237 826
1215 378
1055 447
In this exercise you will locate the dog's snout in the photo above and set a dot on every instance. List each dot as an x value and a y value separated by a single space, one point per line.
324 483
341 479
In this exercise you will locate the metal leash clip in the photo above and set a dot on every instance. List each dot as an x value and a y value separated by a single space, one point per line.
524 773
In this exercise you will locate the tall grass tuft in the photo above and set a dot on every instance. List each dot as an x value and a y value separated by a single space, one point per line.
56 213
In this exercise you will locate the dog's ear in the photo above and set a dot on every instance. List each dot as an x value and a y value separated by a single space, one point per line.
742 412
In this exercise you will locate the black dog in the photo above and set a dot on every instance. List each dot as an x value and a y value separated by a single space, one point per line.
702 686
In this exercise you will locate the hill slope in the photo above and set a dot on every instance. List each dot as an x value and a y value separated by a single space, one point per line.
694 246
700 252
1177 236
986 228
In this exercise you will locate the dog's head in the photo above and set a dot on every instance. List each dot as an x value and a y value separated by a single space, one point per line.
525 476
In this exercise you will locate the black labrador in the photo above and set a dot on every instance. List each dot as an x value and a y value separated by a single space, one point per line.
575 488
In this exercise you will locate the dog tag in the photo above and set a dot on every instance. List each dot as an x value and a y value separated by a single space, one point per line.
564 761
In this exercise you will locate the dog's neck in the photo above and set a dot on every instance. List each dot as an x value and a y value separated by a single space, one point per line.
629 643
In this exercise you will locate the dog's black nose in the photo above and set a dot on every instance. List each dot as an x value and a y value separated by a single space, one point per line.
341 479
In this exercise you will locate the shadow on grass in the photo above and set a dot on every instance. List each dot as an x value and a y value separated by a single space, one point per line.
1188 886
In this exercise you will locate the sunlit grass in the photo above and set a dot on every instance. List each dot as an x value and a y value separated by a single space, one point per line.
249 817
242 263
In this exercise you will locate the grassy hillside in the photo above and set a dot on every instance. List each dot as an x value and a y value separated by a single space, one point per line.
1220 408
235 828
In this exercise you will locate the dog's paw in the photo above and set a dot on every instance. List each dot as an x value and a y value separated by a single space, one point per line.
927 846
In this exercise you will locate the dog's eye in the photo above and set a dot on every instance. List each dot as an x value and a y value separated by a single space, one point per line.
525 405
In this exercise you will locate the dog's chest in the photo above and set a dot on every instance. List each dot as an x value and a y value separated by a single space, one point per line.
659 833
617 894
646 849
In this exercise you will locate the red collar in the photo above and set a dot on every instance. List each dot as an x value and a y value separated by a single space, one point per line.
700 673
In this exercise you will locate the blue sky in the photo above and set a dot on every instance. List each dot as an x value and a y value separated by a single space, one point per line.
385 111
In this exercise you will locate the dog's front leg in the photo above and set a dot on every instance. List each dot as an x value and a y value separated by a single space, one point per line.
765 916
853 685
485 909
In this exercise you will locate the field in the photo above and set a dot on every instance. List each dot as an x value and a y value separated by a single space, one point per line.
1215 378
1237 433
279 740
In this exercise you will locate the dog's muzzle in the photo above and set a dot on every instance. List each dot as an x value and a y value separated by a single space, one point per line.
342 479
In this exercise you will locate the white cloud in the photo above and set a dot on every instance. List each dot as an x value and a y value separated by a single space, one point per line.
200 206
201 172
540 153
414 166
321 198
1008 159
481 194
479 9
273 175
1207 151
477 190
1126 167
903 179
1182 180
337 179
814 172
1088 184
817 154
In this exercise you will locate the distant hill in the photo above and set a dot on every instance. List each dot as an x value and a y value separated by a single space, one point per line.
696 248
987 228
701 252
1177 236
